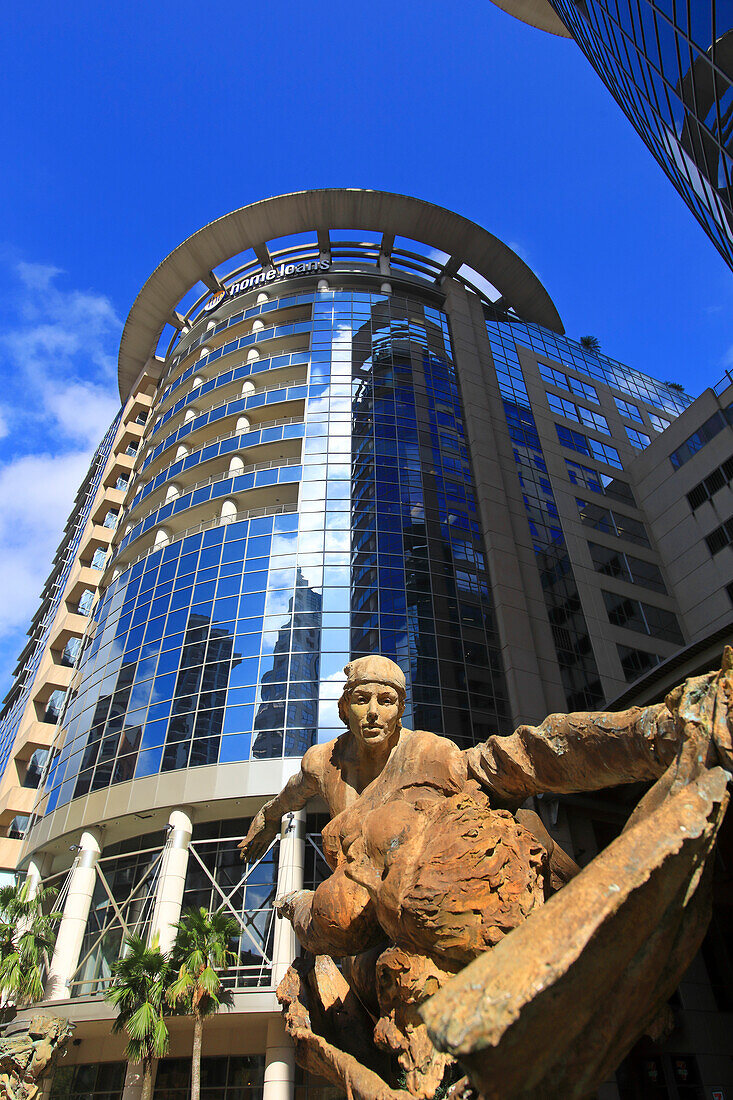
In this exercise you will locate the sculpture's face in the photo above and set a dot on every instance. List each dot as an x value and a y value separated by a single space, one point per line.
374 711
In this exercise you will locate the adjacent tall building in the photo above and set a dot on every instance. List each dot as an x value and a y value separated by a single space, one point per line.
331 443
669 66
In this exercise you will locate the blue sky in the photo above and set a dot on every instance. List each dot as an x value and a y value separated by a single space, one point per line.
128 126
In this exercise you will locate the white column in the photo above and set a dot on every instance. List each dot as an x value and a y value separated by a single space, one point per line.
279 1081
76 913
172 880
35 872
289 877
133 1086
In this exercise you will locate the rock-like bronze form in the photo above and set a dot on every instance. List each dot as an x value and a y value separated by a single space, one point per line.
435 865
27 1058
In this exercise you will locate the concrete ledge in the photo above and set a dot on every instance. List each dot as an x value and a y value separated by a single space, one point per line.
321 210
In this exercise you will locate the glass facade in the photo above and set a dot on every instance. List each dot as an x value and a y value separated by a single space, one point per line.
228 643
223 1078
669 65
574 650
217 879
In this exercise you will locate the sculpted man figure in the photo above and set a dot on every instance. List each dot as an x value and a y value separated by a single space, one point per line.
433 861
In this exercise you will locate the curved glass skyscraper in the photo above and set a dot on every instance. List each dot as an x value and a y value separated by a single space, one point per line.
350 423
669 66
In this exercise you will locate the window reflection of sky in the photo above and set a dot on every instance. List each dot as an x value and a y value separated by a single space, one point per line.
230 644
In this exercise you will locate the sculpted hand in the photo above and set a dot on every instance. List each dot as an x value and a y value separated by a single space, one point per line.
258 838
703 711
285 906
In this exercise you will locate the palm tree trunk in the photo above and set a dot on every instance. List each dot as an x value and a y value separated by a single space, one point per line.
147 1091
198 1035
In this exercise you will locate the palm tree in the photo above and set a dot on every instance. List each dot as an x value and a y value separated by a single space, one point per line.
27 937
201 948
590 343
139 981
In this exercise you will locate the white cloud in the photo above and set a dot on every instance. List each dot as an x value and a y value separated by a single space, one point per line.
57 357
82 412
36 495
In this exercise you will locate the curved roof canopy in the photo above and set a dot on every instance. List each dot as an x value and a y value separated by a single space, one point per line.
538 13
323 210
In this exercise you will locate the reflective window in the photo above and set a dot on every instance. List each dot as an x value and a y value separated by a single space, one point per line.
573 648
612 522
239 1077
576 441
668 66
659 423
216 872
635 662
599 482
35 767
229 643
629 410
645 618
88 1081
578 412
638 439
18 826
707 431
615 563
567 382
99 558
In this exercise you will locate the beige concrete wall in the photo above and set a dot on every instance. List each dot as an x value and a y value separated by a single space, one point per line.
699 579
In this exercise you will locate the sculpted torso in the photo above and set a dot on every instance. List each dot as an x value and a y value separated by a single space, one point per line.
421 768
434 861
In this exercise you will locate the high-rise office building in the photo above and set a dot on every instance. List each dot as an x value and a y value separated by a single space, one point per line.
669 66
335 439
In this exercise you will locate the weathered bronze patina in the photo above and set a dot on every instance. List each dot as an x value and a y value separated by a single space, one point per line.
435 864
27 1058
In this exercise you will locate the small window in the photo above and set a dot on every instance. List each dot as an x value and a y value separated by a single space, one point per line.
34 771
71 652
54 705
716 540
98 558
638 439
110 520
714 481
627 409
86 600
635 662
697 496
17 827
122 482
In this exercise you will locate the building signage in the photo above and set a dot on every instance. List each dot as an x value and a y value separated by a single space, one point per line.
282 271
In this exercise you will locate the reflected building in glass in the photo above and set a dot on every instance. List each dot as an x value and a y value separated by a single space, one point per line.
669 66
350 423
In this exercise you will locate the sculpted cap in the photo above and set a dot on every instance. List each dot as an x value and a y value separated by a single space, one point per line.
375 670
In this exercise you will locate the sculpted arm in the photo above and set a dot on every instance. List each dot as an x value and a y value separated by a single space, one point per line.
299 790
576 752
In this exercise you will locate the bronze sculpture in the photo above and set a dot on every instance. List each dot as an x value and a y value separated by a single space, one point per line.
435 865
27 1058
